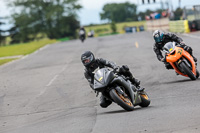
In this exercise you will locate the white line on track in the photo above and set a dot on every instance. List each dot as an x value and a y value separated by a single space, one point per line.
46 87
51 81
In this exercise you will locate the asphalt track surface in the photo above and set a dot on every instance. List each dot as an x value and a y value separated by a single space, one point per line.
46 92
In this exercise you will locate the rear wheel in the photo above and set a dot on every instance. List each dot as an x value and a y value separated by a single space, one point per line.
123 101
145 100
82 39
187 71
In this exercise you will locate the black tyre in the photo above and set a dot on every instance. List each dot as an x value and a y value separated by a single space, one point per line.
197 74
145 100
187 71
82 39
122 101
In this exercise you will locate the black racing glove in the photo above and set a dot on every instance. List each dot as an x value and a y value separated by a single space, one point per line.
116 69
187 48
124 69
182 43
163 59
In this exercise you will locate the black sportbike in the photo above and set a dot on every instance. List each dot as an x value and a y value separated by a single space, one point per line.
82 35
82 38
118 88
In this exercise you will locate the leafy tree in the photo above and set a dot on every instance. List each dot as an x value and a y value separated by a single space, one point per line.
119 12
142 15
113 27
55 18
148 12
2 37
178 13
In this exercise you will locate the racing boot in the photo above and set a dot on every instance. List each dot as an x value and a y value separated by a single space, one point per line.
176 73
104 103
190 51
168 65
136 82
195 59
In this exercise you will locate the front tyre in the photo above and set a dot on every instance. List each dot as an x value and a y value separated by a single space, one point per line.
82 39
121 100
197 74
145 100
187 71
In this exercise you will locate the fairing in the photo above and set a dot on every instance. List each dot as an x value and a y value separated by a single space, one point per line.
174 55
102 78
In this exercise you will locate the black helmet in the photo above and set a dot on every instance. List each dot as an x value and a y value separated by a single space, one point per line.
158 36
81 28
87 58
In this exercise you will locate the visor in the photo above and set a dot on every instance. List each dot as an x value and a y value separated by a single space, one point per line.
158 38
88 60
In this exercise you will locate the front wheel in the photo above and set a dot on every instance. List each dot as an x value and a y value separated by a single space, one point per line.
197 74
187 71
121 100
145 100
82 40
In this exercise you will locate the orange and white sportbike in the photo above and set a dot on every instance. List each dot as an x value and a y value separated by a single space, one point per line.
182 62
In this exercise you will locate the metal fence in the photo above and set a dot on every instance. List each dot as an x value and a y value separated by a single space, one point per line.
192 13
196 9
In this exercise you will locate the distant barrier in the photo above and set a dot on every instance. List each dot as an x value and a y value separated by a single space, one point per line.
161 24
133 29
194 25
180 26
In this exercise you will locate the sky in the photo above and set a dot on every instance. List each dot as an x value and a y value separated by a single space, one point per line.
89 14
92 8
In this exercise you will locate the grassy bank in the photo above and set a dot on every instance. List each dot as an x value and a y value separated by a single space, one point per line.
22 49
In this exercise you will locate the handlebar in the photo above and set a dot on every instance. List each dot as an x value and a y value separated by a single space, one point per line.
116 69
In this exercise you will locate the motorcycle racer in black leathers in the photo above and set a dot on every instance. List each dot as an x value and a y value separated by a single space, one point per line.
161 39
82 34
91 64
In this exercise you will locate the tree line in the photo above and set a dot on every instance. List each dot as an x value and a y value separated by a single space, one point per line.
124 12
35 19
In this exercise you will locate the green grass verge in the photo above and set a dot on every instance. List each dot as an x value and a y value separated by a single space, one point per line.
24 49
6 60
108 34
64 39
105 29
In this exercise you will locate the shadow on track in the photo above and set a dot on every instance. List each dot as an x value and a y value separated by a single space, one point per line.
123 111
180 81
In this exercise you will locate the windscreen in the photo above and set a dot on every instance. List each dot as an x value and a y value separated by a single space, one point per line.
99 75
169 47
